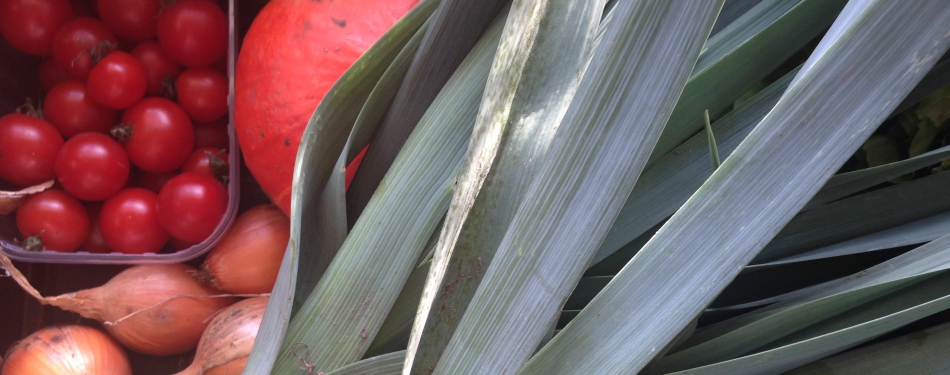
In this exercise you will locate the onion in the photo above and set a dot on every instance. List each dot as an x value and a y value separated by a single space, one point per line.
152 309
10 200
247 259
66 350
227 342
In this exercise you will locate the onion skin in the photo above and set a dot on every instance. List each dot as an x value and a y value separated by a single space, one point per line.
247 259
171 327
66 350
227 342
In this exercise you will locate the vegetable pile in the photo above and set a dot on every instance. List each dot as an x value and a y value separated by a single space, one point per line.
132 124
169 309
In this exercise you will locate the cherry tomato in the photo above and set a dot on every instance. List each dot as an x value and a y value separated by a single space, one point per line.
208 161
118 81
58 220
161 69
51 74
28 149
29 25
212 134
71 109
154 181
83 8
203 93
157 134
191 205
92 166
194 32
80 43
134 20
130 222
180 245
94 242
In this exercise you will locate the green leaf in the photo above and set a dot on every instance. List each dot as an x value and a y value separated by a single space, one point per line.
732 338
314 205
669 182
544 49
394 333
849 183
920 231
454 29
593 161
921 352
860 215
739 57
793 355
731 10
713 149
382 96
758 189
386 364
346 309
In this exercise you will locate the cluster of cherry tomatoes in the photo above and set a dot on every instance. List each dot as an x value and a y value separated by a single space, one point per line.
132 127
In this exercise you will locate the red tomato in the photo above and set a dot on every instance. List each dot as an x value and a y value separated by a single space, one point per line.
160 68
55 218
180 245
118 81
154 181
92 166
28 149
191 205
80 43
134 20
51 74
29 25
129 222
194 32
208 161
94 242
212 134
71 109
157 134
83 8
203 93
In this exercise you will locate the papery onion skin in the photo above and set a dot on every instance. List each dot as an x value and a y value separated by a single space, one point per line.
171 327
66 350
227 342
247 259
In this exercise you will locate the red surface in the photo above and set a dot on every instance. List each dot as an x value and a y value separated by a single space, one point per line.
293 53
21 315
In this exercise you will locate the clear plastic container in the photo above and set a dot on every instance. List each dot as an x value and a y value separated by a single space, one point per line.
18 74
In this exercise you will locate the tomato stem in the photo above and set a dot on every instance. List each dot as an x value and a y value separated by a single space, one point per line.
121 132
168 88
218 166
34 242
29 110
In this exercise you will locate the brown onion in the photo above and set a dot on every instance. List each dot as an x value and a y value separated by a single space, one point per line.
66 350
152 309
247 259
227 342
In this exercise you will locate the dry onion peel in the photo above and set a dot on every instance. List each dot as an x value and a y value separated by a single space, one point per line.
162 310
10 200
248 257
227 342
66 350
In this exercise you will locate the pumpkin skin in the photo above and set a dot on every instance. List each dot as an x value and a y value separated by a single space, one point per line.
293 53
